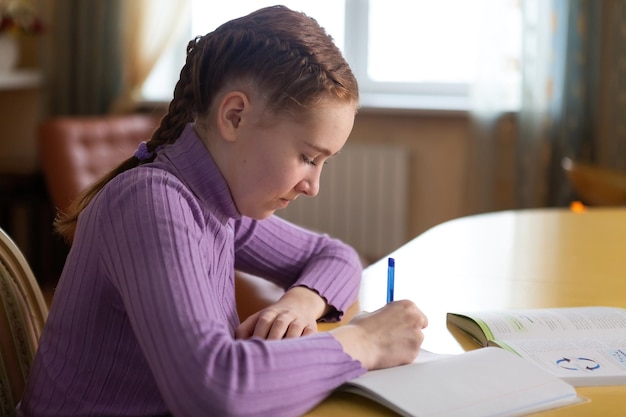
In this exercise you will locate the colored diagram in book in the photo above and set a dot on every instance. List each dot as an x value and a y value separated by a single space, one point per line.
578 364
619 357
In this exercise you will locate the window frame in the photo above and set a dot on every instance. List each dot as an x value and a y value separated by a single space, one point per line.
392 95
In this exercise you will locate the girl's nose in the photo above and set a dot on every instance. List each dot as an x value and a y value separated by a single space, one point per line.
310 186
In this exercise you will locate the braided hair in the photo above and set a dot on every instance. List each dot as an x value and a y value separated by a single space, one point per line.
289 58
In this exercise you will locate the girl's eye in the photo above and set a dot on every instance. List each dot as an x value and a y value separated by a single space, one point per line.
311 161
308 160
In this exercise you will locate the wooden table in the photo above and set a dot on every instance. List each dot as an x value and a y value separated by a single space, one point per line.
509 259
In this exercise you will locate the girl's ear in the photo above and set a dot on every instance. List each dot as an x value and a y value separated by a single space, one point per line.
230 114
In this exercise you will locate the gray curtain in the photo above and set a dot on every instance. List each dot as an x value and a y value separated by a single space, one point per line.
83 61
560 85
573 102
609 148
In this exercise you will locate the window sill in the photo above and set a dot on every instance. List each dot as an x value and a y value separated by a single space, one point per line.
383 103
419 104
20 79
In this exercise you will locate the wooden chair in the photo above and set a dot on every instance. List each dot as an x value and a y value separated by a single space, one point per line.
23 313
596 186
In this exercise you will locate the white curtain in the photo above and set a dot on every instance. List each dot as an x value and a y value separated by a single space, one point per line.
495 93
150 28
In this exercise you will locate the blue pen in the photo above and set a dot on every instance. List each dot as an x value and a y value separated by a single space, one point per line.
391 265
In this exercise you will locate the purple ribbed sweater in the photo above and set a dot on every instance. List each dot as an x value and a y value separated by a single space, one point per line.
144 315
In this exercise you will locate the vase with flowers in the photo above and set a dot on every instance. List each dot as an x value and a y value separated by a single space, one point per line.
17 17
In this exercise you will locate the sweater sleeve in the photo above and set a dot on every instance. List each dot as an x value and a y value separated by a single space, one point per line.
173 274
291 256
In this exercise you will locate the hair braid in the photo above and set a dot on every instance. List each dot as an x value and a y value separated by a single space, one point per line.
184 105
180 112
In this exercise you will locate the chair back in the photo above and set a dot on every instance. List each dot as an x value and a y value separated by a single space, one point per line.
23 312
75 151
595 185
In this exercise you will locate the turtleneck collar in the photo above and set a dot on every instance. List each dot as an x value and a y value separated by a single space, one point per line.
190 160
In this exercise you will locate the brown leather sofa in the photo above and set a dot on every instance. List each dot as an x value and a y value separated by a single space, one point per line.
76 151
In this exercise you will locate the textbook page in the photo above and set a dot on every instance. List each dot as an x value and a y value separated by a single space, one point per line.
483 382
584 346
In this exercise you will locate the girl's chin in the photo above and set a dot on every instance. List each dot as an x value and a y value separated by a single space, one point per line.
259 214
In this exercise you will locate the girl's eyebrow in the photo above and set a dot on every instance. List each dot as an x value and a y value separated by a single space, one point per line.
319 149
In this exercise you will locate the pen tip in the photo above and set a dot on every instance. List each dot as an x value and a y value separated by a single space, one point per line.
392 262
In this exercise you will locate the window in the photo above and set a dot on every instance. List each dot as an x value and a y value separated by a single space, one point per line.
405 54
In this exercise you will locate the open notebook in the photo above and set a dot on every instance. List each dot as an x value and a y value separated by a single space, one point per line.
484 382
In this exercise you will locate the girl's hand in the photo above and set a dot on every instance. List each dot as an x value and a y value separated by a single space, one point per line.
388 337
294 315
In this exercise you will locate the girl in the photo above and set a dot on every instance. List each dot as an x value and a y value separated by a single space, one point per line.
144 321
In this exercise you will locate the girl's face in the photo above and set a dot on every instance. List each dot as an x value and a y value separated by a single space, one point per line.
272 162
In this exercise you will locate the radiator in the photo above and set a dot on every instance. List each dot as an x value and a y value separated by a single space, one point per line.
363 200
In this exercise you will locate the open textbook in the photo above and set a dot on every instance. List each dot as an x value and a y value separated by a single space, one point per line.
581 345
482 382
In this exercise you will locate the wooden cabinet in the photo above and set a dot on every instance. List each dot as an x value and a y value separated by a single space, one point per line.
20 110
25 211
